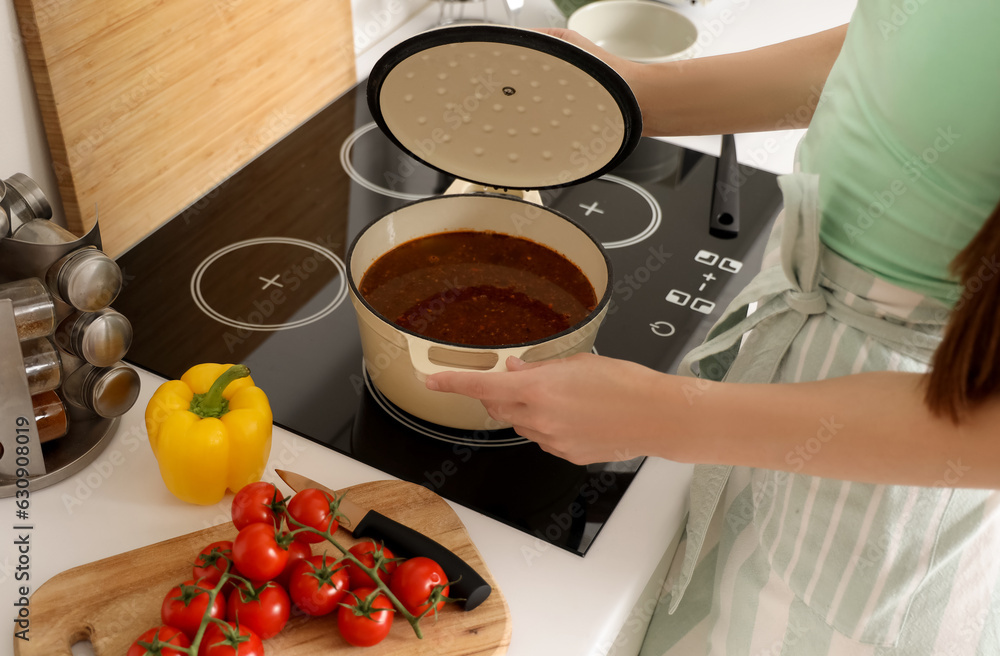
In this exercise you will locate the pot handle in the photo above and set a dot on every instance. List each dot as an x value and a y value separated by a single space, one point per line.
460 186
419 350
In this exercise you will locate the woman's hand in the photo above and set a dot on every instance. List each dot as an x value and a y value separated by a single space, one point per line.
584 408
623 66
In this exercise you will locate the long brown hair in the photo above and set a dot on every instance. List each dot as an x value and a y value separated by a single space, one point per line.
966 366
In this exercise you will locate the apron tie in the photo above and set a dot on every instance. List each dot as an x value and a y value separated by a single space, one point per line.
812 302
785 297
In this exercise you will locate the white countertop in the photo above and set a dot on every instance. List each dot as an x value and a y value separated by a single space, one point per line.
560 603
119 503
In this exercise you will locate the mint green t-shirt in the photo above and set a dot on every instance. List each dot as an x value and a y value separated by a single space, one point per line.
906 138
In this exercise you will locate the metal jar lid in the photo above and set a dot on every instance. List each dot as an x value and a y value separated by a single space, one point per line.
25 199
86 278
504 107
108 391
102 338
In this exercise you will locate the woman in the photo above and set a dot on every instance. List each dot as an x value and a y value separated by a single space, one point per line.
848 506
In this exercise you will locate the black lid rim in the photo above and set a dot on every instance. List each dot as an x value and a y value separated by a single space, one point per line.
598 69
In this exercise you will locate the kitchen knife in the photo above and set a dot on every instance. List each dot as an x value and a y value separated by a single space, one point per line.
725 220
404 541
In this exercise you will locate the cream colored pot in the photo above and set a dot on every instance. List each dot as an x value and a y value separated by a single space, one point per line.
399 360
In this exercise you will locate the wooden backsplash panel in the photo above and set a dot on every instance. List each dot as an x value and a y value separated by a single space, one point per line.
148 104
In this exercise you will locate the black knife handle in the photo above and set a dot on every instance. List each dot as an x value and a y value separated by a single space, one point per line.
406 542
725 220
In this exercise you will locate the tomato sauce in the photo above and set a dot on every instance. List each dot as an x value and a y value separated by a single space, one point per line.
478 289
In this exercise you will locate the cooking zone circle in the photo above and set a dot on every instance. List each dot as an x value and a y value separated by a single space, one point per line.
283 283
617 211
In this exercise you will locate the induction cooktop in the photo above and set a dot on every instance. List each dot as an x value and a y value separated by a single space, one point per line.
254 272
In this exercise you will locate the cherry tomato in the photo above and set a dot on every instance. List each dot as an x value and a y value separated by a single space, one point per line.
230 641
264 609
313 508
297 550
317 584
365 619
257 502
414 581
257 554
366 552
211 562
185 605
158 638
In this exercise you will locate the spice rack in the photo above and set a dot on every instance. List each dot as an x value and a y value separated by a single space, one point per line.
88 434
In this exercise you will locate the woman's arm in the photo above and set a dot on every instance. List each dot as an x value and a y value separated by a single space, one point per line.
771 88
871 427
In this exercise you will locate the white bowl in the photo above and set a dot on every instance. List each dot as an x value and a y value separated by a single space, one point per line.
639 30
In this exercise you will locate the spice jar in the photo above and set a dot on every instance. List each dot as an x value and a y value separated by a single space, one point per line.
34 309
106 391
51 419
42 365
85 278
101 338
23 199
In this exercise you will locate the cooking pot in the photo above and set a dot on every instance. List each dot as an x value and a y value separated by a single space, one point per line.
508 112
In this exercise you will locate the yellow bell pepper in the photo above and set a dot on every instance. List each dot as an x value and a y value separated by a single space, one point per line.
209 431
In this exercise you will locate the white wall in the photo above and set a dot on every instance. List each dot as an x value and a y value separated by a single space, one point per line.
23 148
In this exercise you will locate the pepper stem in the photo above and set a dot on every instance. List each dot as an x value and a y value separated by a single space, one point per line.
211 403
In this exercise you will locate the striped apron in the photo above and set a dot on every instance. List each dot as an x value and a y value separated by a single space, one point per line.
782 563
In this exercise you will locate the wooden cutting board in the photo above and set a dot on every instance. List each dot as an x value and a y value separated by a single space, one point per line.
112 601
149 105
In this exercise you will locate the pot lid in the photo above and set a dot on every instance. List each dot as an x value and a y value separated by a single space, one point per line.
504 107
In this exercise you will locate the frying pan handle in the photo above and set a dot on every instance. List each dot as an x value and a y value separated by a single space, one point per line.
423 367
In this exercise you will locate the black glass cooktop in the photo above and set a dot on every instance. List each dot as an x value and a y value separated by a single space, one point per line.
254 272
